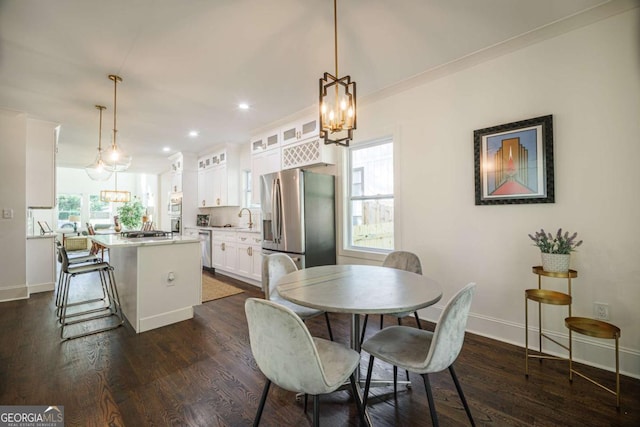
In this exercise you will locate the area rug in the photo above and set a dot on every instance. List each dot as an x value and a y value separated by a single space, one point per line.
213 289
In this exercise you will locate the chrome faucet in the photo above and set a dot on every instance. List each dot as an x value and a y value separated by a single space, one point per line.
240 215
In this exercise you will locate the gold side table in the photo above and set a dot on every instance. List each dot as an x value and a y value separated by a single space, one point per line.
597 329
545 296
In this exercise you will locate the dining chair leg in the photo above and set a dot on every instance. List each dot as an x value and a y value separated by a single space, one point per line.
395 381
381 321
364 328
326 316
461 394
367 382
415 313
432 404
263 399
356 397
399 321
316 410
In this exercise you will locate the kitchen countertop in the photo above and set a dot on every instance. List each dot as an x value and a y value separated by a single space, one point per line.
41 236
233 228
116 240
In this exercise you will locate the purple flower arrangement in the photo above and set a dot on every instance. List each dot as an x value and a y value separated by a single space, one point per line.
558 244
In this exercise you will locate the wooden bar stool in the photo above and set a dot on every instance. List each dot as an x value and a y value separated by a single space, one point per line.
597 329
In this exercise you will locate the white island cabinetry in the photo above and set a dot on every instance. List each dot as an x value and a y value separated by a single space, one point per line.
159 279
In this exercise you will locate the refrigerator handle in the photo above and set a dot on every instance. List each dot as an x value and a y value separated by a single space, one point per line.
274 210
278 212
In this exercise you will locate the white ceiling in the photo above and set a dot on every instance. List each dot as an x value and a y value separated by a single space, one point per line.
187 64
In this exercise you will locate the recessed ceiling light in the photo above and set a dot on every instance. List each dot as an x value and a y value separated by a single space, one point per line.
166 149
243 106
194 133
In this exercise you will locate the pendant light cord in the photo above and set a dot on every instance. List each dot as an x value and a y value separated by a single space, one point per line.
100 107
335 32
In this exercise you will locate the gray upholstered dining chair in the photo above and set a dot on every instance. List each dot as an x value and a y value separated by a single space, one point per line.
274 266
425 352
402 260
291 358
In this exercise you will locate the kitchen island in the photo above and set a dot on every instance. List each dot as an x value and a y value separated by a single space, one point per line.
159 279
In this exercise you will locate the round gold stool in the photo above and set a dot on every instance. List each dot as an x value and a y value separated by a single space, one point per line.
542 296
597 329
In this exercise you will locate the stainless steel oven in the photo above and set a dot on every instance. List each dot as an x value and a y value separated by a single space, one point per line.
176 225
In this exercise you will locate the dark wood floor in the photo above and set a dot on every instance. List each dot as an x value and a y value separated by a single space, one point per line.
201 373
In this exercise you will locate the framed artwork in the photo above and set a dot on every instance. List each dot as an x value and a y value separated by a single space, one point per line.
514 162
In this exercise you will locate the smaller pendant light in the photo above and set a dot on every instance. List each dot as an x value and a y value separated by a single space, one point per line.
115 196
97 170
116 159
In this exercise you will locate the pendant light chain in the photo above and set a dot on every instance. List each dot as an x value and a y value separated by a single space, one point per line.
101 108
335 33
115 79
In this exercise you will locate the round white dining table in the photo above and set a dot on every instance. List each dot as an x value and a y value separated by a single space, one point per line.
359 289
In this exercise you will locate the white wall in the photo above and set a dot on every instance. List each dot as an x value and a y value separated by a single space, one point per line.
13 268
588 79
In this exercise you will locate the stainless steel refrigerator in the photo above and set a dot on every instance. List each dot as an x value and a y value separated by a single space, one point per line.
298 216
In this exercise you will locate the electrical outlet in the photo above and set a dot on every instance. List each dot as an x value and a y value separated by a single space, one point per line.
601 310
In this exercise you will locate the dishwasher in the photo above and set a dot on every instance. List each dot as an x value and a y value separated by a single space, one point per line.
205 239
205 243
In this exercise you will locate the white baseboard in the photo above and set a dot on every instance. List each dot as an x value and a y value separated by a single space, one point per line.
164 319
41 287
599 353
238 277
11 293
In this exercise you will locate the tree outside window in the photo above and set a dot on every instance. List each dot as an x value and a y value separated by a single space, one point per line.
99 211
68 204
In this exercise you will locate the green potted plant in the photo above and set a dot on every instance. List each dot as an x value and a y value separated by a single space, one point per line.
555 250
130 214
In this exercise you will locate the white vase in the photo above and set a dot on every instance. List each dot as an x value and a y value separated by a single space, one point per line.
555 263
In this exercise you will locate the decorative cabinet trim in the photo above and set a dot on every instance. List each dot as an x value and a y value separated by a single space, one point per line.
306 153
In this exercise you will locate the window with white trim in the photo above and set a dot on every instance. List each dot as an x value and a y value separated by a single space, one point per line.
370 196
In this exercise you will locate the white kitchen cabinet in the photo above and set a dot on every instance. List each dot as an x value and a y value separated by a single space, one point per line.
256 257
218 180
176 182
177 162
41 146
307 153
205 188
249 259
262 163
41 263
224 251
300 130
267 141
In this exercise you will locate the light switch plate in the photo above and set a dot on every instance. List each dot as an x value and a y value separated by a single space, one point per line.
7 213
